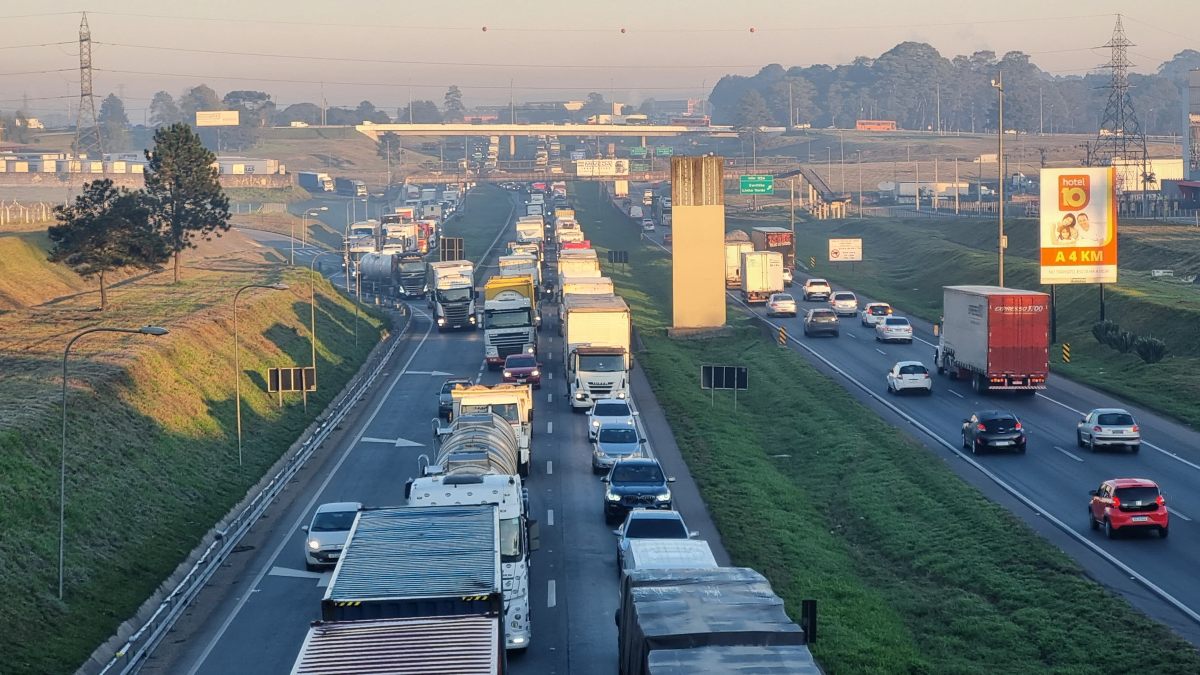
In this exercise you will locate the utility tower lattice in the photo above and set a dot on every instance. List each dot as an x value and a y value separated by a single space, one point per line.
1120 139
87 129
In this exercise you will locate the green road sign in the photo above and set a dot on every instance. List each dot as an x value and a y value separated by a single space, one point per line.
639 165
664 151
757 185
637 151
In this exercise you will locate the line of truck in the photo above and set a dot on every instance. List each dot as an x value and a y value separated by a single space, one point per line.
761 263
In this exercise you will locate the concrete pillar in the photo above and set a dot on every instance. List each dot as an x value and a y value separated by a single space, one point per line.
512 147
698 243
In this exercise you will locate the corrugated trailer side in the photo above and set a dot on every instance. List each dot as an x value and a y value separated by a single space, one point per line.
445 645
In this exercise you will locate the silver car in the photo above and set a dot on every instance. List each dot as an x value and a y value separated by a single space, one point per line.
1108 428
327 533
781 304
613 443
609 412
844 303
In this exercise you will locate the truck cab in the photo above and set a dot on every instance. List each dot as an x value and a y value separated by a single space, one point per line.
452 294
509 318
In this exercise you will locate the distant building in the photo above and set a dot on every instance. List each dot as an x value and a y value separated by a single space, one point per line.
1191 132
680 107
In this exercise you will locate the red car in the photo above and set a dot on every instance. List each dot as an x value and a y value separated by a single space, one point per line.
1128 503
523 369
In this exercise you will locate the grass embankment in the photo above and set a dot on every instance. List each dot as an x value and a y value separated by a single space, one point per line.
908 261
914 570
486 210
152 458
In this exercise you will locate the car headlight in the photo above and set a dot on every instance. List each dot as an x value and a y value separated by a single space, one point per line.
507 374
535 373
314 544
596 423
608 495
664 497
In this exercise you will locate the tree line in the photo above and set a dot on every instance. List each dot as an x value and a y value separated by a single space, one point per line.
110 228
920 89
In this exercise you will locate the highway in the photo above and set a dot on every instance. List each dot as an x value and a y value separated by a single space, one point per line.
253 616
1047 487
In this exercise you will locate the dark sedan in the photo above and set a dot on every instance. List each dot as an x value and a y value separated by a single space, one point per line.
635 483
821 321
445 400
988 429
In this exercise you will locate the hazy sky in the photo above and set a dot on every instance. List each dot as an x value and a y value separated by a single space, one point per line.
387 50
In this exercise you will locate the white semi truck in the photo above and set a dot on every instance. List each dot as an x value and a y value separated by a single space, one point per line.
452 294
596 348
762 275
510 318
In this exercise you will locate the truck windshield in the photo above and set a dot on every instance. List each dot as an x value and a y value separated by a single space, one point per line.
455 295
511 549
506 410
416 267
515 318
601 363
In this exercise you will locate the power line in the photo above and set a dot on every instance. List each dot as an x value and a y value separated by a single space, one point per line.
44 44
38 72
36 16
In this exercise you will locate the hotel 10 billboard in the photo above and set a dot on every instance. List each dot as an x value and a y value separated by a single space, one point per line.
1079 226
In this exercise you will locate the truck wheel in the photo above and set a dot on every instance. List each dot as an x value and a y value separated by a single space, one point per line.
523 469
978 384
941 369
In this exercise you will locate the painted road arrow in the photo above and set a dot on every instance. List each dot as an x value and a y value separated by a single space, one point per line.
398 442
321 577
434 373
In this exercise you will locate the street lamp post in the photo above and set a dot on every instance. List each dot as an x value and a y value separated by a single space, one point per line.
237 365
62 466
998 83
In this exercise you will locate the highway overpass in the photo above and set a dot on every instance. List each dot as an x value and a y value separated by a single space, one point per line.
373 131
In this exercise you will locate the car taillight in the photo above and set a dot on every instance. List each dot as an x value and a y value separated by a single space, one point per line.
1116 502
1018 426
1160 501
1135 430
1097 428
980 427
925 375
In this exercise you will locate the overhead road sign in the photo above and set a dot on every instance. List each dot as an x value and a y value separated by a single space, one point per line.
756 184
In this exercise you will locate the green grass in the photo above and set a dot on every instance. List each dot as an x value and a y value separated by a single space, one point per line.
908 261
914 570
152 453
486 210
292 193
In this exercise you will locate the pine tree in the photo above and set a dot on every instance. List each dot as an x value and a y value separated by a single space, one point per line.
185 199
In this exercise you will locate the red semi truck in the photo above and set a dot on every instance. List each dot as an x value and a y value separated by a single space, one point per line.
997 337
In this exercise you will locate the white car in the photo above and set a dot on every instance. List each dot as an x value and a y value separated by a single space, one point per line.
817 288
844 303
327 533
647 225
1108 428
894 328
609 411
787 276
781 304
907 375
874 312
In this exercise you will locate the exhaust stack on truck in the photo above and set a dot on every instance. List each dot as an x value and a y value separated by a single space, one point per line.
997 337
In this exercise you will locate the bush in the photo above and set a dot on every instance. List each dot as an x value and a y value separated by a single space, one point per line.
1104 331
1123 341
1151 349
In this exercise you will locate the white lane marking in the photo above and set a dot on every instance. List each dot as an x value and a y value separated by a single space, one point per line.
551 599
852 335
955 393
549 398
1178 514
398 442
549 468
478 378
881 351
304 514
550 375
549 516
1068 454
549 427
1146 443
1069 530
435 373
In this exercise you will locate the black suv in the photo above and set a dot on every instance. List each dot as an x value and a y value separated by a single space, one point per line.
632 484
445 400
993 429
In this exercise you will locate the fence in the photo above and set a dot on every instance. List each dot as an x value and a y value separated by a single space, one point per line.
13 213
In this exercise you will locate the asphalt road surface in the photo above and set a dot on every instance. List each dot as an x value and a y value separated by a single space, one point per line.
254 615
1048 486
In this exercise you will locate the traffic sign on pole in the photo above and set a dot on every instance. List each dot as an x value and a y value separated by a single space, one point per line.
664 151
757 184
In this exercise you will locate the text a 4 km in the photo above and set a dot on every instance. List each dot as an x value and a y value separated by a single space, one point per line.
1079 256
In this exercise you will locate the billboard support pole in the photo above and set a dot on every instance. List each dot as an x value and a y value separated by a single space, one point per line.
1102 302
1053 317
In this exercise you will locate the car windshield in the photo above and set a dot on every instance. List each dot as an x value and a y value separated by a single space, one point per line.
449 385
656 528
506 410
455 295
610 410
333 521
1115 419
878 310
913 370
637 473
896 322
520 362
1137 494
617 435
601 363
515 318
510 540
843 296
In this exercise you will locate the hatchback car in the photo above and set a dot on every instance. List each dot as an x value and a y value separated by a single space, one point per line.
993 429
1108 428
609 412
614 442
787 277
523 369
781 304
894 329
821 321
909 375
635 483
874 312
649 524
445 399
1128 504
844 303
327 533
647 225
816 289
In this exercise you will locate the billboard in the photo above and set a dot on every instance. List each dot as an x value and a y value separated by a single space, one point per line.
602 167
845 250
1078 226
216 118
